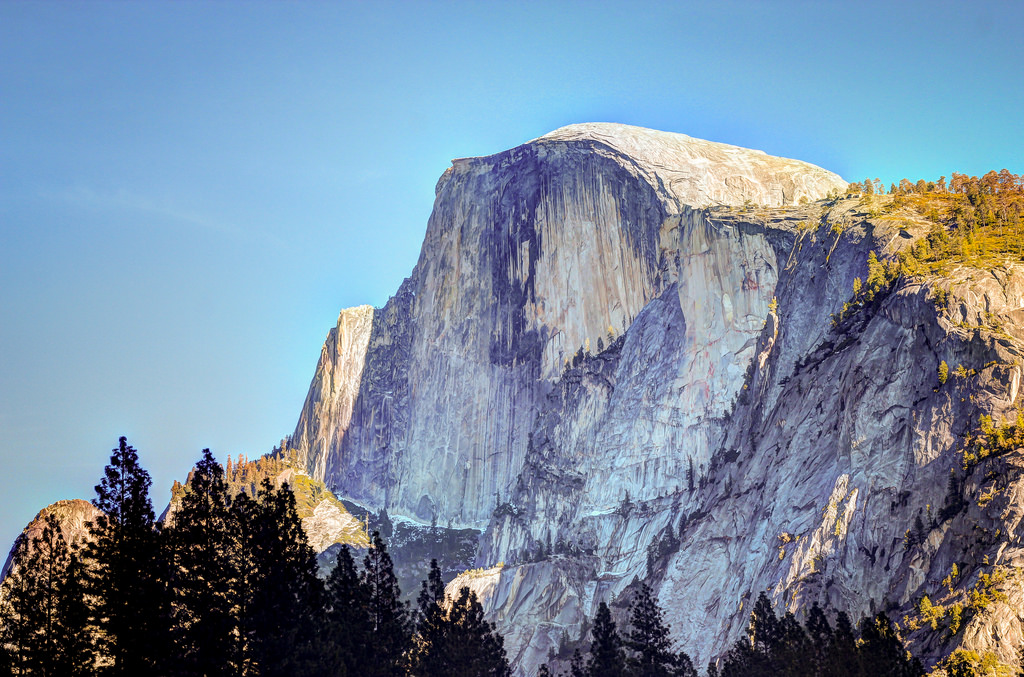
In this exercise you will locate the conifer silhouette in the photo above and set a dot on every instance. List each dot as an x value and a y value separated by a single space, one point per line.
388 615
607 658
122 558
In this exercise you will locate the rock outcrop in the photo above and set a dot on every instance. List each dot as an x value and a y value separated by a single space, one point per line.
73 516
325 520
617 355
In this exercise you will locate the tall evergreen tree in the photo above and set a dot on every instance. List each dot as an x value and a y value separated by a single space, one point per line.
819 634
765 636
75 645
740 661
6 659
43 614
122 559
201 574
607 658
648 638
577 666
289 596
454 640
432 644
17 602
477 650
245 580
389 616
882 652
842 657
347 641
48 564
684 666
789 657
755 654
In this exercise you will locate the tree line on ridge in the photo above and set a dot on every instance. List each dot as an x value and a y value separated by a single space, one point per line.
229 587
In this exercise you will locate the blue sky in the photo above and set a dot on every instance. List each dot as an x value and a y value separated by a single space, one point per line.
190 192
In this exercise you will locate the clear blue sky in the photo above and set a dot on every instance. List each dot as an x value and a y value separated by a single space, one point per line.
190 192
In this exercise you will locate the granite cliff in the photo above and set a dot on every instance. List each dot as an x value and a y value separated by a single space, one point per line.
73 516
619 357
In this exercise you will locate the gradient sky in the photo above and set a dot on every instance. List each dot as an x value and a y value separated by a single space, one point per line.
190 192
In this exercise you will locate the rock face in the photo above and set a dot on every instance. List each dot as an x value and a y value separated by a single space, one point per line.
74 517
616 354
530 256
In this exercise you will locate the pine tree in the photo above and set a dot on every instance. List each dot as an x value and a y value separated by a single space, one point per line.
389 617
790 655
289 596
432 643
43 612
17 602
122 558
882 652
244 582
607 658
684 666
201 574
477 649
752 656
6 659
648 638
841 658
765 633
47 563
75 646
577 668
741 660
454 640
819 633
347 638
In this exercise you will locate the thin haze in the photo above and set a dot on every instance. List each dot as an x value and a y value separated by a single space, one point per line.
190 192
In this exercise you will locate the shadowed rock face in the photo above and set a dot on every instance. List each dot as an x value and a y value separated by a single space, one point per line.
723 437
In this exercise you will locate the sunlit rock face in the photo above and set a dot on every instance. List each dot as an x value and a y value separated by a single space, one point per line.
530 256
622 377
73 516
328 408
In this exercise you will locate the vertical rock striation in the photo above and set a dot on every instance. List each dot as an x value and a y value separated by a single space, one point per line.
530 256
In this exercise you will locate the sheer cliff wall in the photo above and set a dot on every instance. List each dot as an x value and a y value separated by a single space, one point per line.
530 256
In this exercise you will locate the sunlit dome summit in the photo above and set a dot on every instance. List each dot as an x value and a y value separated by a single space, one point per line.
699 173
